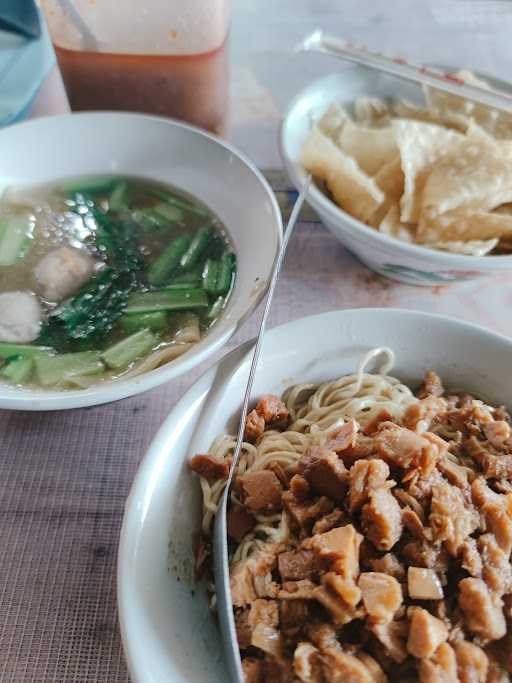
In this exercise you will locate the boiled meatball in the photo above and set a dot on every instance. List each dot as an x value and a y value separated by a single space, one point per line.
62 272
20 317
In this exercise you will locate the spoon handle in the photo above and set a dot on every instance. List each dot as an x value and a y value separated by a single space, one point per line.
220 540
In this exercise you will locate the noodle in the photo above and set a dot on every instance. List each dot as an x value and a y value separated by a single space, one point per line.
316 411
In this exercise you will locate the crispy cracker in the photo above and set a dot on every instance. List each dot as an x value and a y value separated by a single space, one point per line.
352 189
469 248
332 122
459 226
421 145
475 177
392 226
372 148
371 111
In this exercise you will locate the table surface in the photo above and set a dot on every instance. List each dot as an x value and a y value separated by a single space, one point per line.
65 476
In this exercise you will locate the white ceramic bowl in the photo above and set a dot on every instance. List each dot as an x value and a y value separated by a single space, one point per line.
171 152
168 632
390 257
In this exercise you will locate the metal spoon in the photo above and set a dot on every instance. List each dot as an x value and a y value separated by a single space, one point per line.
220 536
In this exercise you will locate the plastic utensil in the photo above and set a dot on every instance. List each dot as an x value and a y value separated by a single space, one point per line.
397 66
220 539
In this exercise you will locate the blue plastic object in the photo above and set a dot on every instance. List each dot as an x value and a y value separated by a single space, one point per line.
24 64
20 16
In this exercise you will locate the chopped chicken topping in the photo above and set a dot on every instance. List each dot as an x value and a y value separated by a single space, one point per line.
379 554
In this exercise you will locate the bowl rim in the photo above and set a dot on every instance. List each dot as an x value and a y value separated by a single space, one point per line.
42 400
133 517
323 204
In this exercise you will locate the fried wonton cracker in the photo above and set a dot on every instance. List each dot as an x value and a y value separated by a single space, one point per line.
460 226
469 248
452 106
371 111
372 148
391 225
352 189
421 145
332 122
407 110
475 177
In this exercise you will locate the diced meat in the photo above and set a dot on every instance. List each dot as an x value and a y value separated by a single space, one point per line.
253 670
472 662
382 595
345 588
497 433
413 523
423 554
254 427
20 317
273 410
408 500
332 595
242 584
249 577
495 674
239 522
267 638
423 584
432 385
401 447
452 517
373 425
458 475
392 636
441 668
211 467
496 568
493 466
419 416
293 617
388 564
297 564
482 611
470 558
297 590
426 633
378 675
338 550
325 473
305 513
344 438
366 476
307 663
497 509
333 519
283 475
341 667
260 612
261 491
62 272
300 487
323 635
382 519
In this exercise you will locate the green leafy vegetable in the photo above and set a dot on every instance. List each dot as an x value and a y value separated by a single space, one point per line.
15 239
167 300
63 367
18 370
168 261
123 353
91 314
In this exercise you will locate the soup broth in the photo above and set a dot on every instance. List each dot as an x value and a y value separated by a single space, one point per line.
106 277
